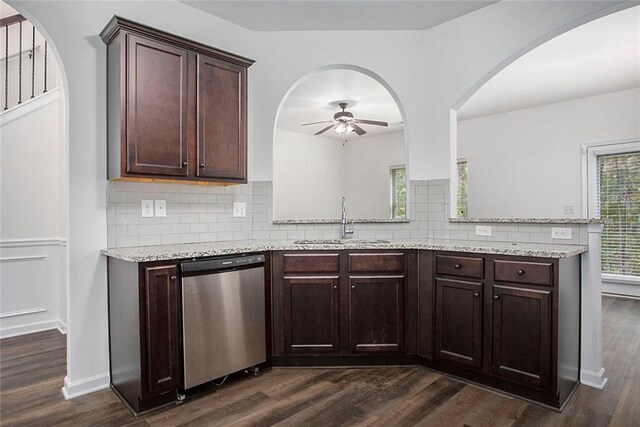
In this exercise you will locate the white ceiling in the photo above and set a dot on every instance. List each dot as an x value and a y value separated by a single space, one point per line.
316 99
326 15
599 57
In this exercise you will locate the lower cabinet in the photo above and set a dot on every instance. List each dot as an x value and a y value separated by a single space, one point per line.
512 323
458 323
144 337
339 303
521 349
311 314
376 315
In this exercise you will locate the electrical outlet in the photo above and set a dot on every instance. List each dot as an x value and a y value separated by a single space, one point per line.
561 233
147 208
161 208
483 230
239 209
568 209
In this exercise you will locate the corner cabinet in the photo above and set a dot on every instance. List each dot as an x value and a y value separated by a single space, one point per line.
177 109
144 336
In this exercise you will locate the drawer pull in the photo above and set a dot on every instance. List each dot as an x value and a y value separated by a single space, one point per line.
173 278
496 297
520 272
457 266
476 294
201 165
185 164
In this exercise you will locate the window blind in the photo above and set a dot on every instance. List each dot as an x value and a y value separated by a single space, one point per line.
398 192
619 205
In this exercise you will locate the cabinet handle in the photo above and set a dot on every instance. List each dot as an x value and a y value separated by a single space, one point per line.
520 272
457 266
476 294
201 165
335 286
185 164
496 297
173 278
353 286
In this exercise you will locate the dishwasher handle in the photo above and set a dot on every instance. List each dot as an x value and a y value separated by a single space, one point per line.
192 268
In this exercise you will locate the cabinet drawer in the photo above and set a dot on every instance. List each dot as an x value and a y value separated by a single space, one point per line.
312 263
379 262
532 273
460 266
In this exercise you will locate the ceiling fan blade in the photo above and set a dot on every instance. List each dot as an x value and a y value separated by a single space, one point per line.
371 122
324 130
358 129
315 123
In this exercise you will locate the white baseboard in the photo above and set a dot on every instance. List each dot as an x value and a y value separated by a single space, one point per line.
14 331
593 379
85 386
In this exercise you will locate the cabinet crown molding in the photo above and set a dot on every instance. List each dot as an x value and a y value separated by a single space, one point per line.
118 23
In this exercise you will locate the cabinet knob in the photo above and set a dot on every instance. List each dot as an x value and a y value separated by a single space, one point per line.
201 165
353 286
457 266
520 272
335 286
185 164
496 297
476 294
173 278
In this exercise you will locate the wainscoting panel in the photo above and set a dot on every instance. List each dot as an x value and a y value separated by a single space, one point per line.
32 286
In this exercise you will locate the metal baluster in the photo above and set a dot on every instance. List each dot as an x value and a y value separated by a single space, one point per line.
45 67
20 67
33 62
6 66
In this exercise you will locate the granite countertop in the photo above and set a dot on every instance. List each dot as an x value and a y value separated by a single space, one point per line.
530 220
338 221
196 250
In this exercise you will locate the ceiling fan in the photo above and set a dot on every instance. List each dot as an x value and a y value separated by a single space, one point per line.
344 123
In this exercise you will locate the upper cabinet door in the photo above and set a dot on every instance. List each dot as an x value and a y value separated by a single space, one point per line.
156 108
222 120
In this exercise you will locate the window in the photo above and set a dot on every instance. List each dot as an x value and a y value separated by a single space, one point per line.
462 197
619 203
398 175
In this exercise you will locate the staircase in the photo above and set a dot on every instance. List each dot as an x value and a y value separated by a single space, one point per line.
27 68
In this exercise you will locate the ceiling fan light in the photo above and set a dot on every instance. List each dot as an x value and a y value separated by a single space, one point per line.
349 128
340 128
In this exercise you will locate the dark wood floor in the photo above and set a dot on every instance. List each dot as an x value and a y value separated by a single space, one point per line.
32 368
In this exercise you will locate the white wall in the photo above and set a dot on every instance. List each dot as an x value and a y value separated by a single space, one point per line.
366 173
308 176
527 163
32 232
429 70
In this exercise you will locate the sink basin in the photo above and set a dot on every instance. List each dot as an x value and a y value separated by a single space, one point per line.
339 241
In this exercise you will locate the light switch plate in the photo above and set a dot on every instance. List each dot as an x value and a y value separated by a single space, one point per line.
568 209
147 208
483 230
239 209
561 233
161 208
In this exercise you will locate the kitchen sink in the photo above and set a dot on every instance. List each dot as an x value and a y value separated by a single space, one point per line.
339 241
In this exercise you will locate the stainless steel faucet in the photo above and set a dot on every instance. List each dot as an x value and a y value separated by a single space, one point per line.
343 222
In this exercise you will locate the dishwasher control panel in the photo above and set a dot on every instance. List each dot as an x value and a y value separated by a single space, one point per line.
208 264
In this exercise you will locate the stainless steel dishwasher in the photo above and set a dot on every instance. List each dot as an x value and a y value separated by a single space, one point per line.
223 317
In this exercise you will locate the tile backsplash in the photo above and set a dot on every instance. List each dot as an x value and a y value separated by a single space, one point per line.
204 214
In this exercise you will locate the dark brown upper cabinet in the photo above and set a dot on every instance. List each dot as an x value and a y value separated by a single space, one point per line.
177 109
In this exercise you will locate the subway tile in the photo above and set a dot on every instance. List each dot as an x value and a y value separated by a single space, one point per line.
150 240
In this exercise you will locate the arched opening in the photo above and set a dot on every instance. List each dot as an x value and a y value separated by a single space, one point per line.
340 131
35 181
